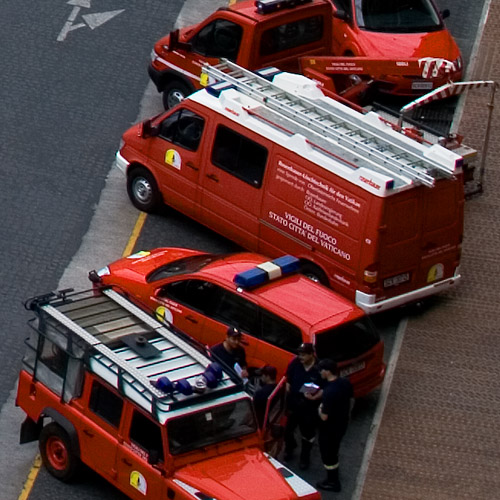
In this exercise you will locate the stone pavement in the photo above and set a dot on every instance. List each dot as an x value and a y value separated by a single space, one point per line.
440 435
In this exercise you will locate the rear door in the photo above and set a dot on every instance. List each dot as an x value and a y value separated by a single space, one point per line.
232 191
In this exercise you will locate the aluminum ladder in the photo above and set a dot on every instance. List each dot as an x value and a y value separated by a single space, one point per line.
364 140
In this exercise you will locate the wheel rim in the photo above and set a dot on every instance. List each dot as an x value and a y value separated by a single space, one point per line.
142 190
174 97
57 454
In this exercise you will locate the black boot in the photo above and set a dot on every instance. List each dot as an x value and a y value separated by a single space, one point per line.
304 454
290 445
332 482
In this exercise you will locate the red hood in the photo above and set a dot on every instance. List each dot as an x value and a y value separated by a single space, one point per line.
437 44
242 475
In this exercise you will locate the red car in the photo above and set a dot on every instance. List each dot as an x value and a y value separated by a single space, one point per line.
398 29
275 307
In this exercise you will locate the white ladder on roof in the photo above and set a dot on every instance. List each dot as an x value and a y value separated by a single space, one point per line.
126 318
361 139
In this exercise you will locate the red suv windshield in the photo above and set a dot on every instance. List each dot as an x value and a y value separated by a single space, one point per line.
397 16
210 426
185 265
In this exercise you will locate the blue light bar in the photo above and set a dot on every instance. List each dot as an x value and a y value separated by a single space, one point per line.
267 271
219 87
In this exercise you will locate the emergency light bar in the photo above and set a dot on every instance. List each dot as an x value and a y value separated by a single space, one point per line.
268 6
267 271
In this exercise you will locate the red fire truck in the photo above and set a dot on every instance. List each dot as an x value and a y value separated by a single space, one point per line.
105 384
257 34
268 161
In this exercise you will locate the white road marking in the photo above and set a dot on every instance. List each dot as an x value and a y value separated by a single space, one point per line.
93 20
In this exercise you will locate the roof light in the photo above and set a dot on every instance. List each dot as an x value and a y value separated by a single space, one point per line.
267 271
268 6
217 88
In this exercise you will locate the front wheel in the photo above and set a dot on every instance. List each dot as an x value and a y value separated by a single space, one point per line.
174 92
57 452
143 190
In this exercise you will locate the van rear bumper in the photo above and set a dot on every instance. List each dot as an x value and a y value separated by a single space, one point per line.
367 301
121 162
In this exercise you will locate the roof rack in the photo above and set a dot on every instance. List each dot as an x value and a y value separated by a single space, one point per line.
130 349
378 147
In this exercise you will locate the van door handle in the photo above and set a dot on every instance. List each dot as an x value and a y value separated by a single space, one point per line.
213 177
88 433
192 165
192 319
127 462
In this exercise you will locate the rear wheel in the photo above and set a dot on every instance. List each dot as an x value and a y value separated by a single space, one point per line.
57 452
143 190
174 92
314 273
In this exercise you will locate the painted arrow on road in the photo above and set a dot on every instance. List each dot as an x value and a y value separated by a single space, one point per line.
93 21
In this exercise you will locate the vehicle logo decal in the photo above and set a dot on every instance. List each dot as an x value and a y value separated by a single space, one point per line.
172 157
436 272
164 314
138 482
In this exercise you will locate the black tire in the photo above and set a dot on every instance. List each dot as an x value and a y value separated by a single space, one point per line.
314 273
57 452
174 92
143 190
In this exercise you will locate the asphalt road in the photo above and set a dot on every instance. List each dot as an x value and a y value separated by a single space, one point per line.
72 81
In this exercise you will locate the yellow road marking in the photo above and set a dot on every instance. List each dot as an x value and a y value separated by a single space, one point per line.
30 481
135 234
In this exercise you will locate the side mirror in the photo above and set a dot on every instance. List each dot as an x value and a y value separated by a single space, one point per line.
173 41
445 13
342 15
147 129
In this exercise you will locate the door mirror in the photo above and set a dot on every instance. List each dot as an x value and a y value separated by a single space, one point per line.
445 13
173 42
342 15
147 129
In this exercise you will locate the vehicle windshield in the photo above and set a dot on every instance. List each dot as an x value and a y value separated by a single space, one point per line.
348 341
185 265
211 426
397 16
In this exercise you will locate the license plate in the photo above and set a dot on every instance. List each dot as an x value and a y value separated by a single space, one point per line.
396 280
349 370
421 85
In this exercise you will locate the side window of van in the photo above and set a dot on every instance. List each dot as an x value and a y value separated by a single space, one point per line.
184 128
146 434
106 404
197 294
291 35
220 38
240 156
279 332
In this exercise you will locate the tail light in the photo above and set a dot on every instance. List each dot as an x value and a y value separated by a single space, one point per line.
370 275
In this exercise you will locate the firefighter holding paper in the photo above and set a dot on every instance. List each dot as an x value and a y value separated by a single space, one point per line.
303 397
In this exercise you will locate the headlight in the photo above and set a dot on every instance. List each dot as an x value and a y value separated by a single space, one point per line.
104 271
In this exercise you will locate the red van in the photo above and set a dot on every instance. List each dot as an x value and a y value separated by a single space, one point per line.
268 161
